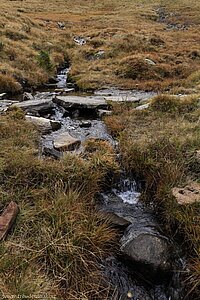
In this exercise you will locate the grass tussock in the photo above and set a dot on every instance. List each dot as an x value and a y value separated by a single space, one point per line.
159 146
9 85
59 240
173 104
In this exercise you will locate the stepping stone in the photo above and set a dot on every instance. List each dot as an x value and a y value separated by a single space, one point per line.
44 125
78 102
66 142
36 106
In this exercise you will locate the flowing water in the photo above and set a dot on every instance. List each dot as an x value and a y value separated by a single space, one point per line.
62 78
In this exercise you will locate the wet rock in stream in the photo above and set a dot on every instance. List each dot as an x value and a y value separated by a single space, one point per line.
44 125
66 142
96 130
85 124
142 241
36 106
27 96
104 112
79 102
146 246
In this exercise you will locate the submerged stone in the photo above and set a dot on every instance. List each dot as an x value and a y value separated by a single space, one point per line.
115 218
142 242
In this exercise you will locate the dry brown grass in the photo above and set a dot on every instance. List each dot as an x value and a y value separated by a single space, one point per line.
60 239
122 29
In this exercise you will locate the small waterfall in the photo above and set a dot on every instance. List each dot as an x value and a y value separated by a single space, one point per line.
126 189
62 78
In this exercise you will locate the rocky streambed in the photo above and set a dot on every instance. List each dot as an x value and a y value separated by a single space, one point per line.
149 264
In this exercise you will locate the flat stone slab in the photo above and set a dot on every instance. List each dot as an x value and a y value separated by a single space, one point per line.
66 142
117 95
78 102
7 219
187 195
36 106
44 125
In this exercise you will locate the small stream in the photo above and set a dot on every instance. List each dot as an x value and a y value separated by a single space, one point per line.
130 279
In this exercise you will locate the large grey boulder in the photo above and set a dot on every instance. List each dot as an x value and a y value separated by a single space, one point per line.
44 125
66 142
147 247
78 102
142 241
35 107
